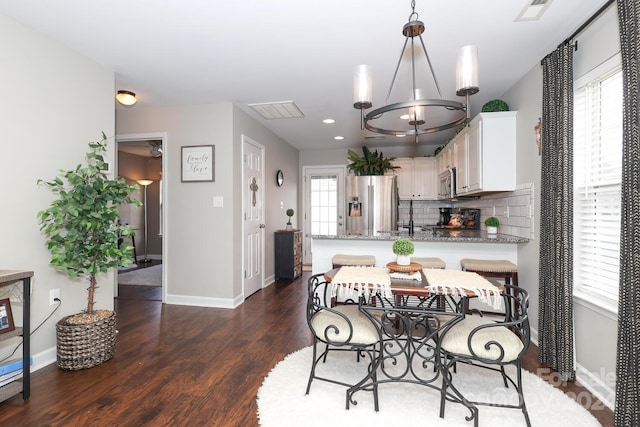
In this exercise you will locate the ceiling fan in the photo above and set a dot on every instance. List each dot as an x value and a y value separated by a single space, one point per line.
156 148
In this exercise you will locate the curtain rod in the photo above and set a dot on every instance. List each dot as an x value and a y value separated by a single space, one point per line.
587 22
582 27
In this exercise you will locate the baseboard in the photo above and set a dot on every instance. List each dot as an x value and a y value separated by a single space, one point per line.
44 358
595 384
204 301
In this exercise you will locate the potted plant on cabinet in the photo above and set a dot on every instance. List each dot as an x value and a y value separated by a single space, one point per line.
492 225
403 248
289 213
82 229
371 163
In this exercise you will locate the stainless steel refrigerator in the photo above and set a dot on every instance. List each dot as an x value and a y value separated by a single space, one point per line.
372 204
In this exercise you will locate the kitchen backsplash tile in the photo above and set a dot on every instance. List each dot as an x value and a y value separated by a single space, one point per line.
515 210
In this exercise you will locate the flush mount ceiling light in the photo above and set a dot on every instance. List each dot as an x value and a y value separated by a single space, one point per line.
417 108
126 97
156 148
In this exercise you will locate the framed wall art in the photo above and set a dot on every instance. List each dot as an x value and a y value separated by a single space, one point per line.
6 318
198 163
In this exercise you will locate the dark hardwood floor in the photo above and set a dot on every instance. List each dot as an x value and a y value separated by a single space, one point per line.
178 366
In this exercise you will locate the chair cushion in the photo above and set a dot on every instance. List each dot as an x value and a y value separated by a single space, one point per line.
429 262
456 340
340 259
364 332
490 266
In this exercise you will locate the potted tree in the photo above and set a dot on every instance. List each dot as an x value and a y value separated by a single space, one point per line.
403 248
289 213
82 230
492 225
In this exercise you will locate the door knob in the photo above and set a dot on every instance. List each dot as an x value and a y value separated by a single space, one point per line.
262 226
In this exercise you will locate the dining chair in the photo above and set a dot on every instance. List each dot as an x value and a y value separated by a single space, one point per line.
339 328
484 343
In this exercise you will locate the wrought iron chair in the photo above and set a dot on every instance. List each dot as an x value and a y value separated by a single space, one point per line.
488 344
340 328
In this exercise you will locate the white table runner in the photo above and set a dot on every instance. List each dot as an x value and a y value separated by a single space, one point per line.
459 283
363 280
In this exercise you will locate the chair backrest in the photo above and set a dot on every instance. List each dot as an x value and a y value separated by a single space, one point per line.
516 318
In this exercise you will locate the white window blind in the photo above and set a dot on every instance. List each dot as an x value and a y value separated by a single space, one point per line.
597 189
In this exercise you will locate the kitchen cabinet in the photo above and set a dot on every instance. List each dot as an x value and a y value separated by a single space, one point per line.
485 154
445 158
417 178
288 254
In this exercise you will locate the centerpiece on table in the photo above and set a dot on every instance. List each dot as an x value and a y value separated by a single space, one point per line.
403 248
82 228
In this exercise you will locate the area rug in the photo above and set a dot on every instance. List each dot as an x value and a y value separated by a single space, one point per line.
282 402
150 276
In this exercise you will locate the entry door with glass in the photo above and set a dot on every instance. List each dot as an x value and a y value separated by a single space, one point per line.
324 204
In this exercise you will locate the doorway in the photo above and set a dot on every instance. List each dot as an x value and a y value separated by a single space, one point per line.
140 160
323 204
253 216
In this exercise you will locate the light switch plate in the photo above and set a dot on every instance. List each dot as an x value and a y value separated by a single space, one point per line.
218 202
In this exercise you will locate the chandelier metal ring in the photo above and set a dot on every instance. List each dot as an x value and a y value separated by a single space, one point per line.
447 104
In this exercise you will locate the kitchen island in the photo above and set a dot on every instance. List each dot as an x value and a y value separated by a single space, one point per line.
449 245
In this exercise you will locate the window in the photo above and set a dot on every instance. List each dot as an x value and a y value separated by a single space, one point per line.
597 186
324 205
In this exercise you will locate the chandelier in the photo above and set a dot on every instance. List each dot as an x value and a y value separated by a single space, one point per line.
422 114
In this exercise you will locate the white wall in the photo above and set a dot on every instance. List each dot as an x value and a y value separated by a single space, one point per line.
42 129
203 260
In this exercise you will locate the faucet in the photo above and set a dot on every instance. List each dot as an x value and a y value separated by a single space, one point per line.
410 226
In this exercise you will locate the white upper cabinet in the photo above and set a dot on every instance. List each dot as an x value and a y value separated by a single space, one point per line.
417 178
485 154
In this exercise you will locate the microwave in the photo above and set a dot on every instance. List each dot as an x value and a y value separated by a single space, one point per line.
447 188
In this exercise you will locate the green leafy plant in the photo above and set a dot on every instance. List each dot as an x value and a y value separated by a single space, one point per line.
371 162
495 105
492 221
290 213
403 246
82 225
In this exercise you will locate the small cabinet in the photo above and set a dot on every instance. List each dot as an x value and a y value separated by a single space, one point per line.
288 254
417 178
445 159
485 154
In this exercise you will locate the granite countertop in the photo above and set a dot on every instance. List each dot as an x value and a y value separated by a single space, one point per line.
463 236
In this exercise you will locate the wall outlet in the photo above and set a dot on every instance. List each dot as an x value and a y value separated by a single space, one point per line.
53 294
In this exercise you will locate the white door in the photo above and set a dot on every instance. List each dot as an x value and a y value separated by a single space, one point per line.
323 204
253 224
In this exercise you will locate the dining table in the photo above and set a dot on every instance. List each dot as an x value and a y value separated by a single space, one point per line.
412 310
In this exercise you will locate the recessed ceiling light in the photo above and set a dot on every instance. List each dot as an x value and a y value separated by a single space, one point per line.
328 121
339 138
401 136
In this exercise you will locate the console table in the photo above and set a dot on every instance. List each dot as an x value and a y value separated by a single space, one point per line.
7 277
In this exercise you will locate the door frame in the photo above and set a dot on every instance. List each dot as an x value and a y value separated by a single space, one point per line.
248 140
340 171
133 137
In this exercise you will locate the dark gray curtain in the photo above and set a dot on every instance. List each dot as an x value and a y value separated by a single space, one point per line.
555 324
627 412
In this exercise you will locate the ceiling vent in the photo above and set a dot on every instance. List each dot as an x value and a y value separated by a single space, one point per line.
533 10
277 110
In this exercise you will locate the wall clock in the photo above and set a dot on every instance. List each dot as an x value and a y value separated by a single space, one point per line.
279 178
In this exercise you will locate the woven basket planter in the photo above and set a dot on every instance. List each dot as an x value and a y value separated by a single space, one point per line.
85 345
